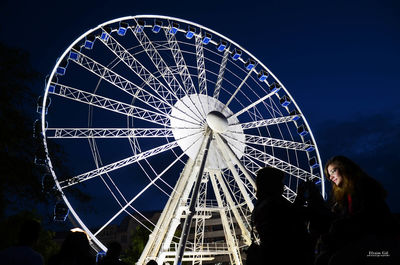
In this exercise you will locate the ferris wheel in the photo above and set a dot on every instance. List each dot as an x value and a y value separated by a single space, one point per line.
160 113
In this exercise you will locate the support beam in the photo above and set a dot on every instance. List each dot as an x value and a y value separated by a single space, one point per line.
201 158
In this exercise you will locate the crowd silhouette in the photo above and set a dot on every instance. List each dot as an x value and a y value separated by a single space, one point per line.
355 226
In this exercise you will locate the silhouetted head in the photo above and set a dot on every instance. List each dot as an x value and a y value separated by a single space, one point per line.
29 232
75 243
151 262
114 249
269 182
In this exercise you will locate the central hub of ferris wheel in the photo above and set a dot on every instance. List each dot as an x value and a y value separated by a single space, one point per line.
217 121
189 118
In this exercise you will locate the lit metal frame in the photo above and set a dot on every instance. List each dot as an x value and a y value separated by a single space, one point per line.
233 188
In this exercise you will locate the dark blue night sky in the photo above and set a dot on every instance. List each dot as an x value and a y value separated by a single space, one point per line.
339 60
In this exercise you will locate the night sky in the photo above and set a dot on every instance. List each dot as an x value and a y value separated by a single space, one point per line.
338 59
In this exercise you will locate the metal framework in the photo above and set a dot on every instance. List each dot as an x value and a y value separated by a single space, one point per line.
175 118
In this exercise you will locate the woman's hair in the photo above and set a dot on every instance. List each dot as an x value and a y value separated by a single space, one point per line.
350 173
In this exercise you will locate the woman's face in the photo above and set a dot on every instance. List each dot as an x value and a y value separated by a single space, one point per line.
334 175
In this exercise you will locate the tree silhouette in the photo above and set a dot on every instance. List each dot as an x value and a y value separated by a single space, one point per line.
20 179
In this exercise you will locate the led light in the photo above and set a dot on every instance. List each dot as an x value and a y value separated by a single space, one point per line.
313 162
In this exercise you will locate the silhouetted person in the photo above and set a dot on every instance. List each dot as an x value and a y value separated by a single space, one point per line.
363 222
283 235
152 262
315 212
75 250
114 250
22 253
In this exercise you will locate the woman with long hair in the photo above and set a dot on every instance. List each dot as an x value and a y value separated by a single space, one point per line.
361 215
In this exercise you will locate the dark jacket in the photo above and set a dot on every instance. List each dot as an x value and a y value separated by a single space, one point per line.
281 231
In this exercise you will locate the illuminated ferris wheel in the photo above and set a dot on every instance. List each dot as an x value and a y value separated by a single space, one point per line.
156 112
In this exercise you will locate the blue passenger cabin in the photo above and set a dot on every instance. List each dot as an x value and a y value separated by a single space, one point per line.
89 41
47 183
207 38
157 26
61 212
123 27
40 154
222 45
313 162
105 34
73 55
302 130
74 52
100 255
140 25
285 101
236 53
62 67
262 75
296 114
249 64
174 28
190 32
39 107
52 88
274 87
310 147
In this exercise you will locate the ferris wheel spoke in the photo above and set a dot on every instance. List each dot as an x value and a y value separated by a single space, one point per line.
242 222
268 141
221 74
117 165
112 105
267 122
159 63
143 73
144 189
227 156
201 70
162 66
262 99
289 193
277 163
139 69
108 133
230 155
180 62
227 222
238 88
120 204
156 102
